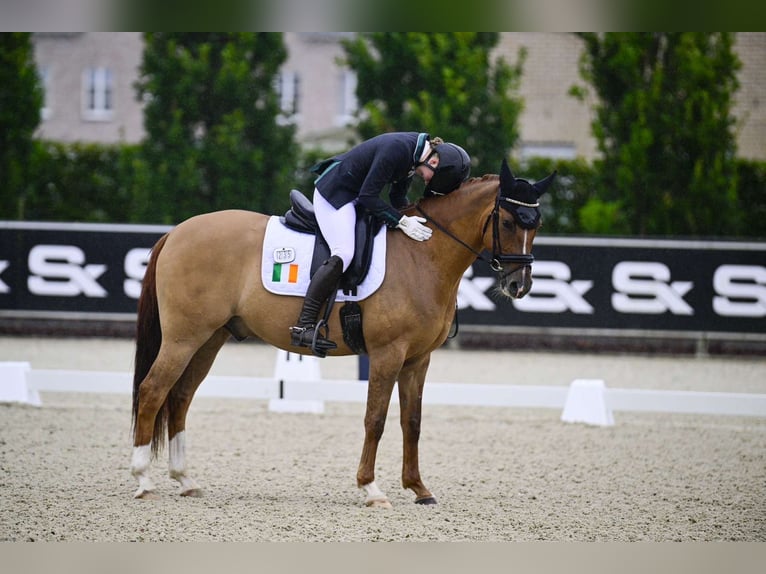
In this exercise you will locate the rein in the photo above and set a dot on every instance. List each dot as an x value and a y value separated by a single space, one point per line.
498 258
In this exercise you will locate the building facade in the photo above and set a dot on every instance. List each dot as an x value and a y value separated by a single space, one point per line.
88 79
88 84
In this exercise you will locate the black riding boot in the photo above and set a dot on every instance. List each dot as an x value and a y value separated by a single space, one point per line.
323 283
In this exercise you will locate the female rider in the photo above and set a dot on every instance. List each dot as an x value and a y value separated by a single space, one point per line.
358 176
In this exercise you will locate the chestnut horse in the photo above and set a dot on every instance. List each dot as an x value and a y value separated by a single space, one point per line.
203 284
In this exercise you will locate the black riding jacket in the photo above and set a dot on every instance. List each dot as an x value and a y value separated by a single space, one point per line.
365 170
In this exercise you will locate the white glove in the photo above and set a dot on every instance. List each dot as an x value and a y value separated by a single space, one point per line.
413 227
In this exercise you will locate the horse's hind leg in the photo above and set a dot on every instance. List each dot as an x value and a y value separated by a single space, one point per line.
411 382
179 400
169 365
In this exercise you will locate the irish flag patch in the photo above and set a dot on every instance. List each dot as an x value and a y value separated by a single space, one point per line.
284 273
284 270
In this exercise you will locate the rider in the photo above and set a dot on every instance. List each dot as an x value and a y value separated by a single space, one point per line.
359 176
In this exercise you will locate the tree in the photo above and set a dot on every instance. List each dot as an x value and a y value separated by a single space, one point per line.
211 116
663 124
441 83
21 99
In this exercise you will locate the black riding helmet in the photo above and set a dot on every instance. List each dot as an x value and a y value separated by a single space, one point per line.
453 169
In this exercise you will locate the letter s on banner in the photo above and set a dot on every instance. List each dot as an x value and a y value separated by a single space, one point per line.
740 282
135 267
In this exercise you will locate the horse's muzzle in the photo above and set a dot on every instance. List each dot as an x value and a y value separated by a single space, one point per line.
517 283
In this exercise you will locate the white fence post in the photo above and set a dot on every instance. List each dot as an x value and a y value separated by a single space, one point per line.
295 367
13 384
586 403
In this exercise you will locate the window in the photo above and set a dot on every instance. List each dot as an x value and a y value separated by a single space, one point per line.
347 102
288 88
98 94
552 150
45 79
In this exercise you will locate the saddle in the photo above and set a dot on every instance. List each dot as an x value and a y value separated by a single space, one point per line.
301 218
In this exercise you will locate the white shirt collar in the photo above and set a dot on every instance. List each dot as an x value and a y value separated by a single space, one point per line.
426 151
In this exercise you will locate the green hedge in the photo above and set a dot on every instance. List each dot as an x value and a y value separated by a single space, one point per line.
79 182
103 183
568 205
751 188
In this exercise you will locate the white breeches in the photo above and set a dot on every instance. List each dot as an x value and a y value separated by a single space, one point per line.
337 226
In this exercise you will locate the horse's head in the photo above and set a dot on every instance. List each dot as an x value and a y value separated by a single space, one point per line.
515 221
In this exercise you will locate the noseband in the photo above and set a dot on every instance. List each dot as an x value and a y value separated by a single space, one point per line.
498 257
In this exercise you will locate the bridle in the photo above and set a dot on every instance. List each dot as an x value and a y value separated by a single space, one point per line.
498 257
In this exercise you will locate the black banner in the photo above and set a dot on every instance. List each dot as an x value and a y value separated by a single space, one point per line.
666 285
50 269
81 270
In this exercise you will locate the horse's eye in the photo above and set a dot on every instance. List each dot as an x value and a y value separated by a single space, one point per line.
509 224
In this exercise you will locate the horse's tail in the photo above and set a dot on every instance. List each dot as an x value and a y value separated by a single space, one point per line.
148 340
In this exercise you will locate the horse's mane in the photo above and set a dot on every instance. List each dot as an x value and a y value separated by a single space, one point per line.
484 177
461 194
478 180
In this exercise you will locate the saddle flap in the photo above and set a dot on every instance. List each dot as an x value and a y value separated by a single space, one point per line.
367 227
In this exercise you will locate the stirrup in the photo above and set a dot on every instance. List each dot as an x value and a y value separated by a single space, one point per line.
310 336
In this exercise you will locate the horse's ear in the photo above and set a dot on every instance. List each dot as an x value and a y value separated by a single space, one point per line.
542 186
507 179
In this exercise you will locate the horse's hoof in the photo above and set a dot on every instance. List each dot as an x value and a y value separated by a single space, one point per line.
378 503
146 495
192 493
428 500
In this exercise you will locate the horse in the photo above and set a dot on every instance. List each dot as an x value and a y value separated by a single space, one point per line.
203 285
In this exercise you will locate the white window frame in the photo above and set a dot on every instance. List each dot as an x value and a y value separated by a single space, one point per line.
289 90
551 150
45 80
98 94
347 102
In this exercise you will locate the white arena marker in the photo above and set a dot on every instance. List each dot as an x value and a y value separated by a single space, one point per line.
295 367
296 406
13 384
586 403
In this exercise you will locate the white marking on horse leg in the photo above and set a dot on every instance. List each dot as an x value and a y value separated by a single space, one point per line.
375 496
139 468
177 463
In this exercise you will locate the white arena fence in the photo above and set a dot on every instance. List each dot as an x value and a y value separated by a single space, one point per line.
298 387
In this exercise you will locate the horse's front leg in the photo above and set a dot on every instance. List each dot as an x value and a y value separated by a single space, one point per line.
379 389
411 382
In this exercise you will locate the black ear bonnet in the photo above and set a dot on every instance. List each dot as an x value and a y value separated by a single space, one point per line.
521 198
